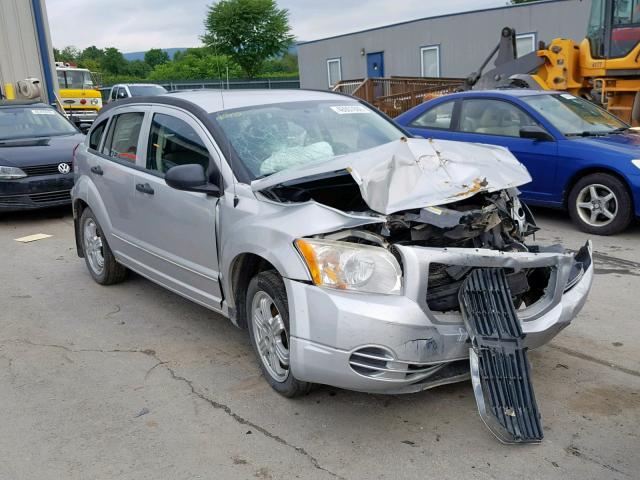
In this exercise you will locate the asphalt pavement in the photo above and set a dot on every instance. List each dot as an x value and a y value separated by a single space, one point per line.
134 382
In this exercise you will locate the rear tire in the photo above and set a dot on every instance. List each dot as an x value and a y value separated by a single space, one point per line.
267 310
100 261
600 204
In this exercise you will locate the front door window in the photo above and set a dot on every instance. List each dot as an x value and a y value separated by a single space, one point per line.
493 117
173 142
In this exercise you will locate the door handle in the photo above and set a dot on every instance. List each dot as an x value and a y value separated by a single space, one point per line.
144 188
97 170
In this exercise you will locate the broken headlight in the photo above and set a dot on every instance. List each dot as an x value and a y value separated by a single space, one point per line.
349 266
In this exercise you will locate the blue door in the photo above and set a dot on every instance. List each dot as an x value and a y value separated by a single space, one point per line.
375 64
498 122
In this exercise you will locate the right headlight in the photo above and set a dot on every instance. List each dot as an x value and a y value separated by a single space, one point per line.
350 266
11 173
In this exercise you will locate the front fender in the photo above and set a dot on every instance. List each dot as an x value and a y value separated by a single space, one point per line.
268 229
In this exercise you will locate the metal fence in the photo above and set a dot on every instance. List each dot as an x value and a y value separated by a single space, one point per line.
232 84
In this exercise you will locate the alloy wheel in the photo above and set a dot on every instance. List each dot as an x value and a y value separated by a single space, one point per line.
597 205
271 337
93 246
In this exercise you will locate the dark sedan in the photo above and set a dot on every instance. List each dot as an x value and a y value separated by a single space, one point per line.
36 151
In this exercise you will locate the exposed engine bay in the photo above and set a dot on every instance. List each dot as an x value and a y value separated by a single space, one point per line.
497 221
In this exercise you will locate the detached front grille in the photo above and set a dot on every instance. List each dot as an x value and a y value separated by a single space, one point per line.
51 196
378 362
51 169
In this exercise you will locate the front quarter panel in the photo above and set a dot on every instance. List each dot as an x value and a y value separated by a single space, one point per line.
578 158
269 229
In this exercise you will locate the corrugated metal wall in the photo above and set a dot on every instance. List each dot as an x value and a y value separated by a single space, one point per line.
19 53
464 39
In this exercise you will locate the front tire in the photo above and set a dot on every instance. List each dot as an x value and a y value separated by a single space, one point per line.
99 258
267 310
600 204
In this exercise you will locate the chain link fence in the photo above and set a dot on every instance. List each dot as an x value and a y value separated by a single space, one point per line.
232 84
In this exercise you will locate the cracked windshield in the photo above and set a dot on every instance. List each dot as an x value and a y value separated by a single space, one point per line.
272 138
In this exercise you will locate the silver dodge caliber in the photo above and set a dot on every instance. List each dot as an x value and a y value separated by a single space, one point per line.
354 255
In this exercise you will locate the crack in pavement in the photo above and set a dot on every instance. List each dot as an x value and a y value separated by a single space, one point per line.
217 405
575 451
589 358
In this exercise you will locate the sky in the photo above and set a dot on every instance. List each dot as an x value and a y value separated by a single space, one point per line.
138 25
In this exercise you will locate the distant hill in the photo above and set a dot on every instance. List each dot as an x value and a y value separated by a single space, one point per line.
140 55
172 51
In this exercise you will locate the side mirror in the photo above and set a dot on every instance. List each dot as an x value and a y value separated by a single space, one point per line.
536 133
191 178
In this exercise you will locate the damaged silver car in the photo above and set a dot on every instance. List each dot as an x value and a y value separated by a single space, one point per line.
354 256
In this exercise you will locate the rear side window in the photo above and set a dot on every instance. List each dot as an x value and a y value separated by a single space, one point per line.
438 117
122 140
174 142
96 135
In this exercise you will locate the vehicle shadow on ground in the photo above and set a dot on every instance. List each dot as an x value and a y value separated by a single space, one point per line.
555 217
30 216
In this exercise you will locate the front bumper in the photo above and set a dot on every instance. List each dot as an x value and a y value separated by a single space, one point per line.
35 192
82 116
406 345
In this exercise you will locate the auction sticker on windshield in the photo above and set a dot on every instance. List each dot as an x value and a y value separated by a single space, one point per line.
43 111
346 109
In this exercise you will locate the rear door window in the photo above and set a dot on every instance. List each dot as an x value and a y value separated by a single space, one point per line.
96 135
122 139
172 142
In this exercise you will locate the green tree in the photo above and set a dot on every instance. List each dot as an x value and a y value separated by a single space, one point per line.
92 53
68 54
249 31
113 62
288 64
138 69
196 64
155 57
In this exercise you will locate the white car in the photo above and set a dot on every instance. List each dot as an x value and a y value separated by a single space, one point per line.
121 91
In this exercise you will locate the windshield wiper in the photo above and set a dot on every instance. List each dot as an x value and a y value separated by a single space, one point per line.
620 130
586 133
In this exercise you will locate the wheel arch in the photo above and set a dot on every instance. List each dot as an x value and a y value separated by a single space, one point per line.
79 205
588 171
243 268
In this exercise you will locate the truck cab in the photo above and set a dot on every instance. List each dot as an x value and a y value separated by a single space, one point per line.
78 95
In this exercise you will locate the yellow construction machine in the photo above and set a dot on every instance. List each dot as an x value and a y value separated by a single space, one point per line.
604 67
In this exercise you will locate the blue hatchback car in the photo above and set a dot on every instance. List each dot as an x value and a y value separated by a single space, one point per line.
581 158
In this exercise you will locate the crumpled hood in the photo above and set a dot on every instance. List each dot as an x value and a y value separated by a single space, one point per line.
415 173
